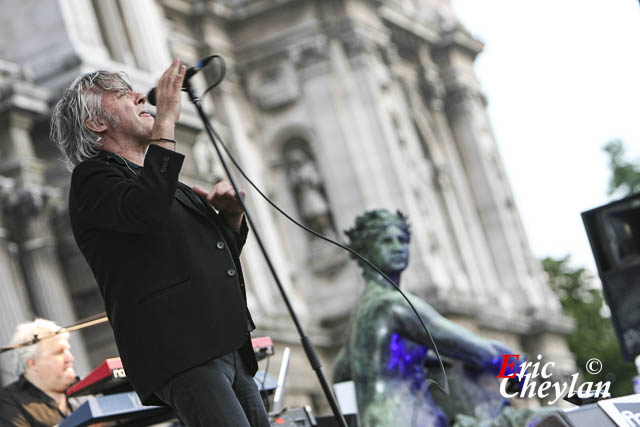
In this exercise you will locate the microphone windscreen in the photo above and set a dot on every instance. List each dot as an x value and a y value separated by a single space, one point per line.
151 97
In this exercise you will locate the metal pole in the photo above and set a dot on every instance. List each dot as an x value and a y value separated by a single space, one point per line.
306 342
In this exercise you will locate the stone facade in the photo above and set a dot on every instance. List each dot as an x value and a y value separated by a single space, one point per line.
332 107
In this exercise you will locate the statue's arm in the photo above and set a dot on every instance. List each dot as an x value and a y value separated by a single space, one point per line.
452 339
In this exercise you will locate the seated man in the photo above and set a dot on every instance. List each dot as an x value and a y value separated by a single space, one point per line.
37 398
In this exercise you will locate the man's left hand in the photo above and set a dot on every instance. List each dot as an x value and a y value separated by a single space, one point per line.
224 198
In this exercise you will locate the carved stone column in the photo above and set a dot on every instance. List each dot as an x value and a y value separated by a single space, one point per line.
430 118
29 214
82 28
15 307
471 129
148 41
519 275
19 103
27 208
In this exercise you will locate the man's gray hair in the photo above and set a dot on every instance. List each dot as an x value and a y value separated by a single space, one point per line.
25 332
82 101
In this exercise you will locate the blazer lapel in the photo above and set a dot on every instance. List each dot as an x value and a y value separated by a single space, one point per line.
184 196
202 207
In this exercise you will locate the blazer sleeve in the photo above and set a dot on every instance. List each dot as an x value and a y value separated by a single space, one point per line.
240 235
105 198
237 237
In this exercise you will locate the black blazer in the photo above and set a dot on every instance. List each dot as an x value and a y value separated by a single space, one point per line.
166 263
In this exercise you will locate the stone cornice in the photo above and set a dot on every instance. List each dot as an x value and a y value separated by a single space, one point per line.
401 22
237 10
189 8
554 322
497 320
459 38
359 37
292 44
28 210
459 92
308 44
231 11
24 97
17 92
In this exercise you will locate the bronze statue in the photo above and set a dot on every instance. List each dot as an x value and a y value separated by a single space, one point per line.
385 353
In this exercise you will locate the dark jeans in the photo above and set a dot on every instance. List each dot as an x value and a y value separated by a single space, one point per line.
217 393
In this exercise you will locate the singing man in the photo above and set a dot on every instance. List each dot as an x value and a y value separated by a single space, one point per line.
165 256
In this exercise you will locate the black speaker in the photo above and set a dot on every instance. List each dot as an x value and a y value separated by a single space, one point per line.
330 421
614 235
584 416
294 417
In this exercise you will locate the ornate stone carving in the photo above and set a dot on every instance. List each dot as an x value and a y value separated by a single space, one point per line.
305 180
431 85
307 186
309 52
381 69
29 210
275 85
354 44
460 93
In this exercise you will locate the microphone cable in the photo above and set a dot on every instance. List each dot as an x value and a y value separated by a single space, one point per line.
221 74
445 388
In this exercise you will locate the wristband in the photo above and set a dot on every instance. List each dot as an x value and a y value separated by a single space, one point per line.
163 139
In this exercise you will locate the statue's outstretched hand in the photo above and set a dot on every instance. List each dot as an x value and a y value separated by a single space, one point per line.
498 353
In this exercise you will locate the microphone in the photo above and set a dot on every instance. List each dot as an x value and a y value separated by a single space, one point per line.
191 71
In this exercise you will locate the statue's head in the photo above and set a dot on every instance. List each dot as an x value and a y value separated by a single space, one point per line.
296 155
382 238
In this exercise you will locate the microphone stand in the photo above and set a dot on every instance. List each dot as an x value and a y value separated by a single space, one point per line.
314 361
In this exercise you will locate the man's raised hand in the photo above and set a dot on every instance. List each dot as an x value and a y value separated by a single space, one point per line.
168 102
224 198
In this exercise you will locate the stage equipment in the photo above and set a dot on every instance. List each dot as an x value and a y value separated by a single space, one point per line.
621 411
347 399
124 408
314 361
584 416
268 385
121 404
278 397
352 421
295 417
614 234
108 378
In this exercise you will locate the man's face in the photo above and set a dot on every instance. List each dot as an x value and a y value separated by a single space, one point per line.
52 368
391 250
129 109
